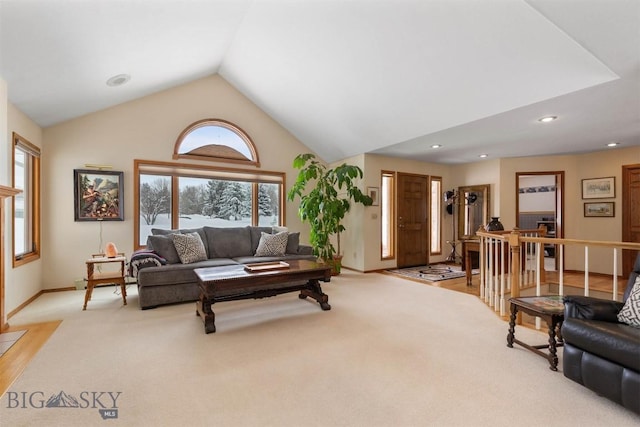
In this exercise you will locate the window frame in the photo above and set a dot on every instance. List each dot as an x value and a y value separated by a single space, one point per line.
32 195
254 161
391 214
176 170
435 212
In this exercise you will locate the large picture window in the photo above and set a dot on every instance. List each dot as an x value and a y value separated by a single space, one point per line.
26 205
179 196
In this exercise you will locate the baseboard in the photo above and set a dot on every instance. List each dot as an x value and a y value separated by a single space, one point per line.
33 298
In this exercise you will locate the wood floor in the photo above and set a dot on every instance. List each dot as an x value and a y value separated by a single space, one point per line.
16 359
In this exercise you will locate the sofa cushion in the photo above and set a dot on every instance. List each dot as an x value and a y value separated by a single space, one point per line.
256 233
272 244
177 274
200 231
228 242
630 313
163 246
189 247
293 243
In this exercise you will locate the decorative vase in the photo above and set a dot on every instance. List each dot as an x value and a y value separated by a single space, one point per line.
494 224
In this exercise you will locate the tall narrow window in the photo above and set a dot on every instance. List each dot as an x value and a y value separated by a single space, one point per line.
436 212
387 203
26 205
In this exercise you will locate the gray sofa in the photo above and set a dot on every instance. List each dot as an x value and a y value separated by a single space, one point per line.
163 279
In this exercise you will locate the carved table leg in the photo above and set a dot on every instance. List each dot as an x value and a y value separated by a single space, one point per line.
204 310
315 291
553 357
512 326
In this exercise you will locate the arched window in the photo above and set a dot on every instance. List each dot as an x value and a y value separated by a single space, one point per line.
216 140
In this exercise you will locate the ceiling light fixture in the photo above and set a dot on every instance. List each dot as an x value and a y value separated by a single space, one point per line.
547 119
436 146
613 144
483 156
118 80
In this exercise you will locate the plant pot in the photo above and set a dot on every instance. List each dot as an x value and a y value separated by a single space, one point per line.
336 264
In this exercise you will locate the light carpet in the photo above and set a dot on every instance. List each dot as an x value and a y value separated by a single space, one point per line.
391 352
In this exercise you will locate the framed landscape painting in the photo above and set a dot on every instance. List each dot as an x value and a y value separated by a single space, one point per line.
606 209
98 195
599 188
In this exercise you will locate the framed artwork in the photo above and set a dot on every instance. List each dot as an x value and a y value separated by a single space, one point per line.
98 195
601 209
373 193
599 188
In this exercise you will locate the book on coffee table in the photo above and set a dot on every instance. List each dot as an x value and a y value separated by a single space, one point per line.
262 266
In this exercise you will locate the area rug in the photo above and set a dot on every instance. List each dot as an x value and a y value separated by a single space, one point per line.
432 273
8 339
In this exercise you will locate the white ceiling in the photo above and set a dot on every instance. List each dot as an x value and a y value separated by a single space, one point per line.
352 76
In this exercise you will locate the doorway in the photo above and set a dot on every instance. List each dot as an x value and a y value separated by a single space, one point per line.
413 235
630 213
540 201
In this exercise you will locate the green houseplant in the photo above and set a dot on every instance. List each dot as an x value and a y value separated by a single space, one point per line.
325 198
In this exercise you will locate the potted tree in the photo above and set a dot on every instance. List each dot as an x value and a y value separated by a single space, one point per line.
328 197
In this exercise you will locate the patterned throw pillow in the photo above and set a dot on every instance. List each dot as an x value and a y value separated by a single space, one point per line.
272 244
189 247
630 313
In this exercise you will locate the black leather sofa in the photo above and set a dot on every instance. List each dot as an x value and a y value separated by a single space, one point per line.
600 352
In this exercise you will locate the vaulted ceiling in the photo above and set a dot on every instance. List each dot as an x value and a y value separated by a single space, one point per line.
346 77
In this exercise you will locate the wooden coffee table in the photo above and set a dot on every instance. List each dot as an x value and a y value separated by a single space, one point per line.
551 309
236 282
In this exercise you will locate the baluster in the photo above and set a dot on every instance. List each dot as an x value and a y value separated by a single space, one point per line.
615 274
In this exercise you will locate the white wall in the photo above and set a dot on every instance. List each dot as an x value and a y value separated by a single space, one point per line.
23 282
538 201
147 129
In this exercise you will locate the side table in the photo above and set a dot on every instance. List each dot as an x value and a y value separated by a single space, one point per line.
550 308
116 277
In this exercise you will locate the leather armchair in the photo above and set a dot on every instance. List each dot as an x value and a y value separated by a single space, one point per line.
600 352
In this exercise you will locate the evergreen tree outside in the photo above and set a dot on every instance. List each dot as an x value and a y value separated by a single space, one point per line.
235 201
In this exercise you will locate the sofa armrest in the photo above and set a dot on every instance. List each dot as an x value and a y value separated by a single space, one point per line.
144 258
590 308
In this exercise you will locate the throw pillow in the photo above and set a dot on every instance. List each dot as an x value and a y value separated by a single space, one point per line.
630 313
293 243
189 247
272 244
163 246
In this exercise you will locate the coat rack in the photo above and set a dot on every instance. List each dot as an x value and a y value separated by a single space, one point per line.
453 198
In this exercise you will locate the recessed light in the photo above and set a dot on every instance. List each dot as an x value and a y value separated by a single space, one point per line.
483 156
613 144
436 146
547 119
118 80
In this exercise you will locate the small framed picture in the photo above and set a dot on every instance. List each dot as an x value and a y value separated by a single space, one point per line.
373 193
599 188
600 209
98 195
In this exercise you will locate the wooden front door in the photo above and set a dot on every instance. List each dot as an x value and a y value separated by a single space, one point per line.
630 213
413 235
